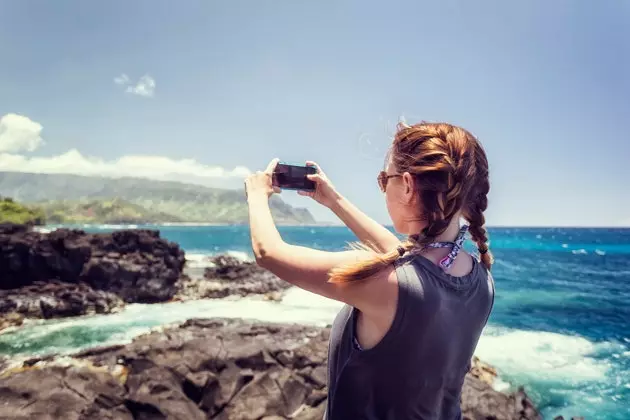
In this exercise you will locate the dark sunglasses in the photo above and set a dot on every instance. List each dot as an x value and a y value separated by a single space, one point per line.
383 177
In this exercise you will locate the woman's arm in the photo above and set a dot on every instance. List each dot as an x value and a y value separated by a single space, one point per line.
308 268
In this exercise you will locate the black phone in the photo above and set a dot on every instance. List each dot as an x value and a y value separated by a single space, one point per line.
293 177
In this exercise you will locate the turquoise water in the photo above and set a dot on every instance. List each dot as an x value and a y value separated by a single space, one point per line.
560 325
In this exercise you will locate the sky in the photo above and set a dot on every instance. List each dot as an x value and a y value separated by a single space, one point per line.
205 92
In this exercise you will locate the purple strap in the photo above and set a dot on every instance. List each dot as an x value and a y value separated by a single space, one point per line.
456 246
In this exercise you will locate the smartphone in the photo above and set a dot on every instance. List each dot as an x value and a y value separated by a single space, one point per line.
293 177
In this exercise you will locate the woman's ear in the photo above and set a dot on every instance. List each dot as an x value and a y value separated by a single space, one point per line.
409 187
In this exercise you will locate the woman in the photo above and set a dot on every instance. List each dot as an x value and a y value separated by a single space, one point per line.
402 344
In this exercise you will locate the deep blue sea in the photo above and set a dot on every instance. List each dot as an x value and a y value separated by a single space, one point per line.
560 325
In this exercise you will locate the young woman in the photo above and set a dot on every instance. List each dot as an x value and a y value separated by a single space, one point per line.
402 344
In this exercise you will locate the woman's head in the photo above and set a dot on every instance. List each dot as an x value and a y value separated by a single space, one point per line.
435 174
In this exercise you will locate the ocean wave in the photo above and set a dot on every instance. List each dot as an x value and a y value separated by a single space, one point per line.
565 375
541 355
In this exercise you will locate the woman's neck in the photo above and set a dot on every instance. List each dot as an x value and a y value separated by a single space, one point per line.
449 235
451 232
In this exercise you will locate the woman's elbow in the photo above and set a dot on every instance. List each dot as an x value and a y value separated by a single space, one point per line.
262 257
265 256
269 257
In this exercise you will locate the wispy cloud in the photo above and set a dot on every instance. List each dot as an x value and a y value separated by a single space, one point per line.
123 79
145 86
19 133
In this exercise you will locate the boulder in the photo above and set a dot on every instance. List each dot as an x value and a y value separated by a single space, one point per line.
229 276
69 272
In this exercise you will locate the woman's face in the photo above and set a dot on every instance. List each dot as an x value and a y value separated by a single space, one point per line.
402 201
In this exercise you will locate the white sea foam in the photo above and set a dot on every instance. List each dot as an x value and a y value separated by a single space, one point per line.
198 260
581 251
541 356
201 259
43 229
599 252
240 255
109 227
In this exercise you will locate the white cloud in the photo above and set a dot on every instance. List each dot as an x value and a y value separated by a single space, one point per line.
123 79
144 87
154 167
19 133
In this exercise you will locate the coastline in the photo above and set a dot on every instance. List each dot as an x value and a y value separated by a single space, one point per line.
216 290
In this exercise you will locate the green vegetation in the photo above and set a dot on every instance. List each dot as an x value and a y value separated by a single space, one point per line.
114 211
86 199
13 212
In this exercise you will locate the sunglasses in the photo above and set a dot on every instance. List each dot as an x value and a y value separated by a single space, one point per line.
383 177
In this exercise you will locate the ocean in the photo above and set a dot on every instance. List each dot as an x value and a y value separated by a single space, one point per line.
560 324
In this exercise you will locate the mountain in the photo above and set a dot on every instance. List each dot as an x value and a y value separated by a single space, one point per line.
158 199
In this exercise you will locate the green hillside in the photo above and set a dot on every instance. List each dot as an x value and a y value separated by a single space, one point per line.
150 200
13 212
114 211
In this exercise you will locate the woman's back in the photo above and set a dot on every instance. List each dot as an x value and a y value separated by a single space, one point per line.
417 370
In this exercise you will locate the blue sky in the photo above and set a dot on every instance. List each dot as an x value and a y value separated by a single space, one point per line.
544 85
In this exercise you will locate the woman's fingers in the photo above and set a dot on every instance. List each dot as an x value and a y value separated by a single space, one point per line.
272 165
313 164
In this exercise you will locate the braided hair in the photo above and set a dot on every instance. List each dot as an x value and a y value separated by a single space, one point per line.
451 170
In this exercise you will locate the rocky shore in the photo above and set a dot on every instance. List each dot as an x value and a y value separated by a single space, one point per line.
208 368
69 272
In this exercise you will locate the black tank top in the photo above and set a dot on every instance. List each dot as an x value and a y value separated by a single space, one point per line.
417 370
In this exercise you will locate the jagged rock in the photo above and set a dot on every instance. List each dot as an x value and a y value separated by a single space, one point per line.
483 371
55 299
205 368
229 276
135 265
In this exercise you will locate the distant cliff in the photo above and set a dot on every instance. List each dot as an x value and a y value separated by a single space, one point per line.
87 199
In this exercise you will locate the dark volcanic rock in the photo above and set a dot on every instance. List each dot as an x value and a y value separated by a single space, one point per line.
230 276
220 369
56 299
136 265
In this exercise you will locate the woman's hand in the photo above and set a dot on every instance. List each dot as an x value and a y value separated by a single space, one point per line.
325 193
262 182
